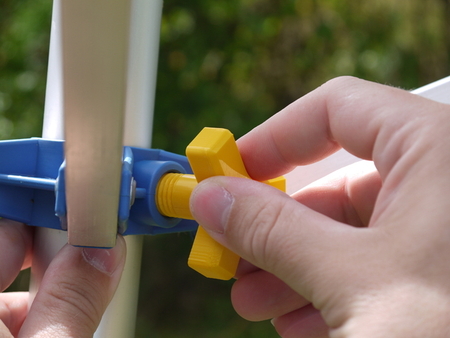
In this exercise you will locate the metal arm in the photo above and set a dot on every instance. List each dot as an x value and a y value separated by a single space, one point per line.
143 55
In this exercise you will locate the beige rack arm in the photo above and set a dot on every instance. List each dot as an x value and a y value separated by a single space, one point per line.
139 102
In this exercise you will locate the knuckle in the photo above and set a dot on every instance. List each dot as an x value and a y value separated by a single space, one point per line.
341 92
339 82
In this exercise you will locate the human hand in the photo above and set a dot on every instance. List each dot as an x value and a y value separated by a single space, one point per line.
74 293
370 249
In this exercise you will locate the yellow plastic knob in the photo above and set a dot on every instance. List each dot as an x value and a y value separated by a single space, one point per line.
213 152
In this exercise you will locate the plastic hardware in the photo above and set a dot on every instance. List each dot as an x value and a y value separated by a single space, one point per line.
154 193
32 189
213 152
173 193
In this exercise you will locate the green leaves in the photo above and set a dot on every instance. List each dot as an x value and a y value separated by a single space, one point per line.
24 39
235 63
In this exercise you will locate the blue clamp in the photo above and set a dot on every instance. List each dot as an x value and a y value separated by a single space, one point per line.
32 189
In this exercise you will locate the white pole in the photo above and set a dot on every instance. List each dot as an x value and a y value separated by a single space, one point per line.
119 320
47 242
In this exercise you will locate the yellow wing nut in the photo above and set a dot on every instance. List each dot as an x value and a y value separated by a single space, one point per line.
213 152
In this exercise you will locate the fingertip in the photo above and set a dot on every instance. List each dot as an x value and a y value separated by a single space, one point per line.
15 253
257 150
305 322
244 268
210 204
13 311
107 261
260 295
75 291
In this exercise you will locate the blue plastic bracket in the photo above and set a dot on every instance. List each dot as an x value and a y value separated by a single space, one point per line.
32 189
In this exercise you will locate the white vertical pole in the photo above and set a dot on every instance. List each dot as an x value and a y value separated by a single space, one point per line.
142 71
47 242
53 127
119 320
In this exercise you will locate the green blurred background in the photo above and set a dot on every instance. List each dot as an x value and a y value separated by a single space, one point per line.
230 64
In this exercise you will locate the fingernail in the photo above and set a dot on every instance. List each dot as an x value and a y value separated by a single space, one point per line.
105 260
211 205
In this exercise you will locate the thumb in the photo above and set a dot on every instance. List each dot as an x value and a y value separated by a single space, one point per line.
268 228
75 291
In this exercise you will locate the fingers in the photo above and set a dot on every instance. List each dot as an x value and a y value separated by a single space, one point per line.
269 298
15 243
253 220
309 245
244 268
345 112
75 292
302 323
347 195
13 310
260 295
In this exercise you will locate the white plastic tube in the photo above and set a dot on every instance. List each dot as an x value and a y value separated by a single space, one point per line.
48 242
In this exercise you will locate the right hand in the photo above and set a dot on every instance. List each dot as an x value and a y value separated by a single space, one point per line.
385 277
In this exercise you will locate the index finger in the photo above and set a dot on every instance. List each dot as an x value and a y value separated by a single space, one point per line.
345 112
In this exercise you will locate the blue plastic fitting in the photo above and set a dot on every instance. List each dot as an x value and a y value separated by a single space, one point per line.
32 187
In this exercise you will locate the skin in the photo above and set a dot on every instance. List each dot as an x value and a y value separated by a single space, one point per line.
363 253
74 293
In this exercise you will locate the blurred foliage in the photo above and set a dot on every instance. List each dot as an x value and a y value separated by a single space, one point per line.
234 63
24 39
230 64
